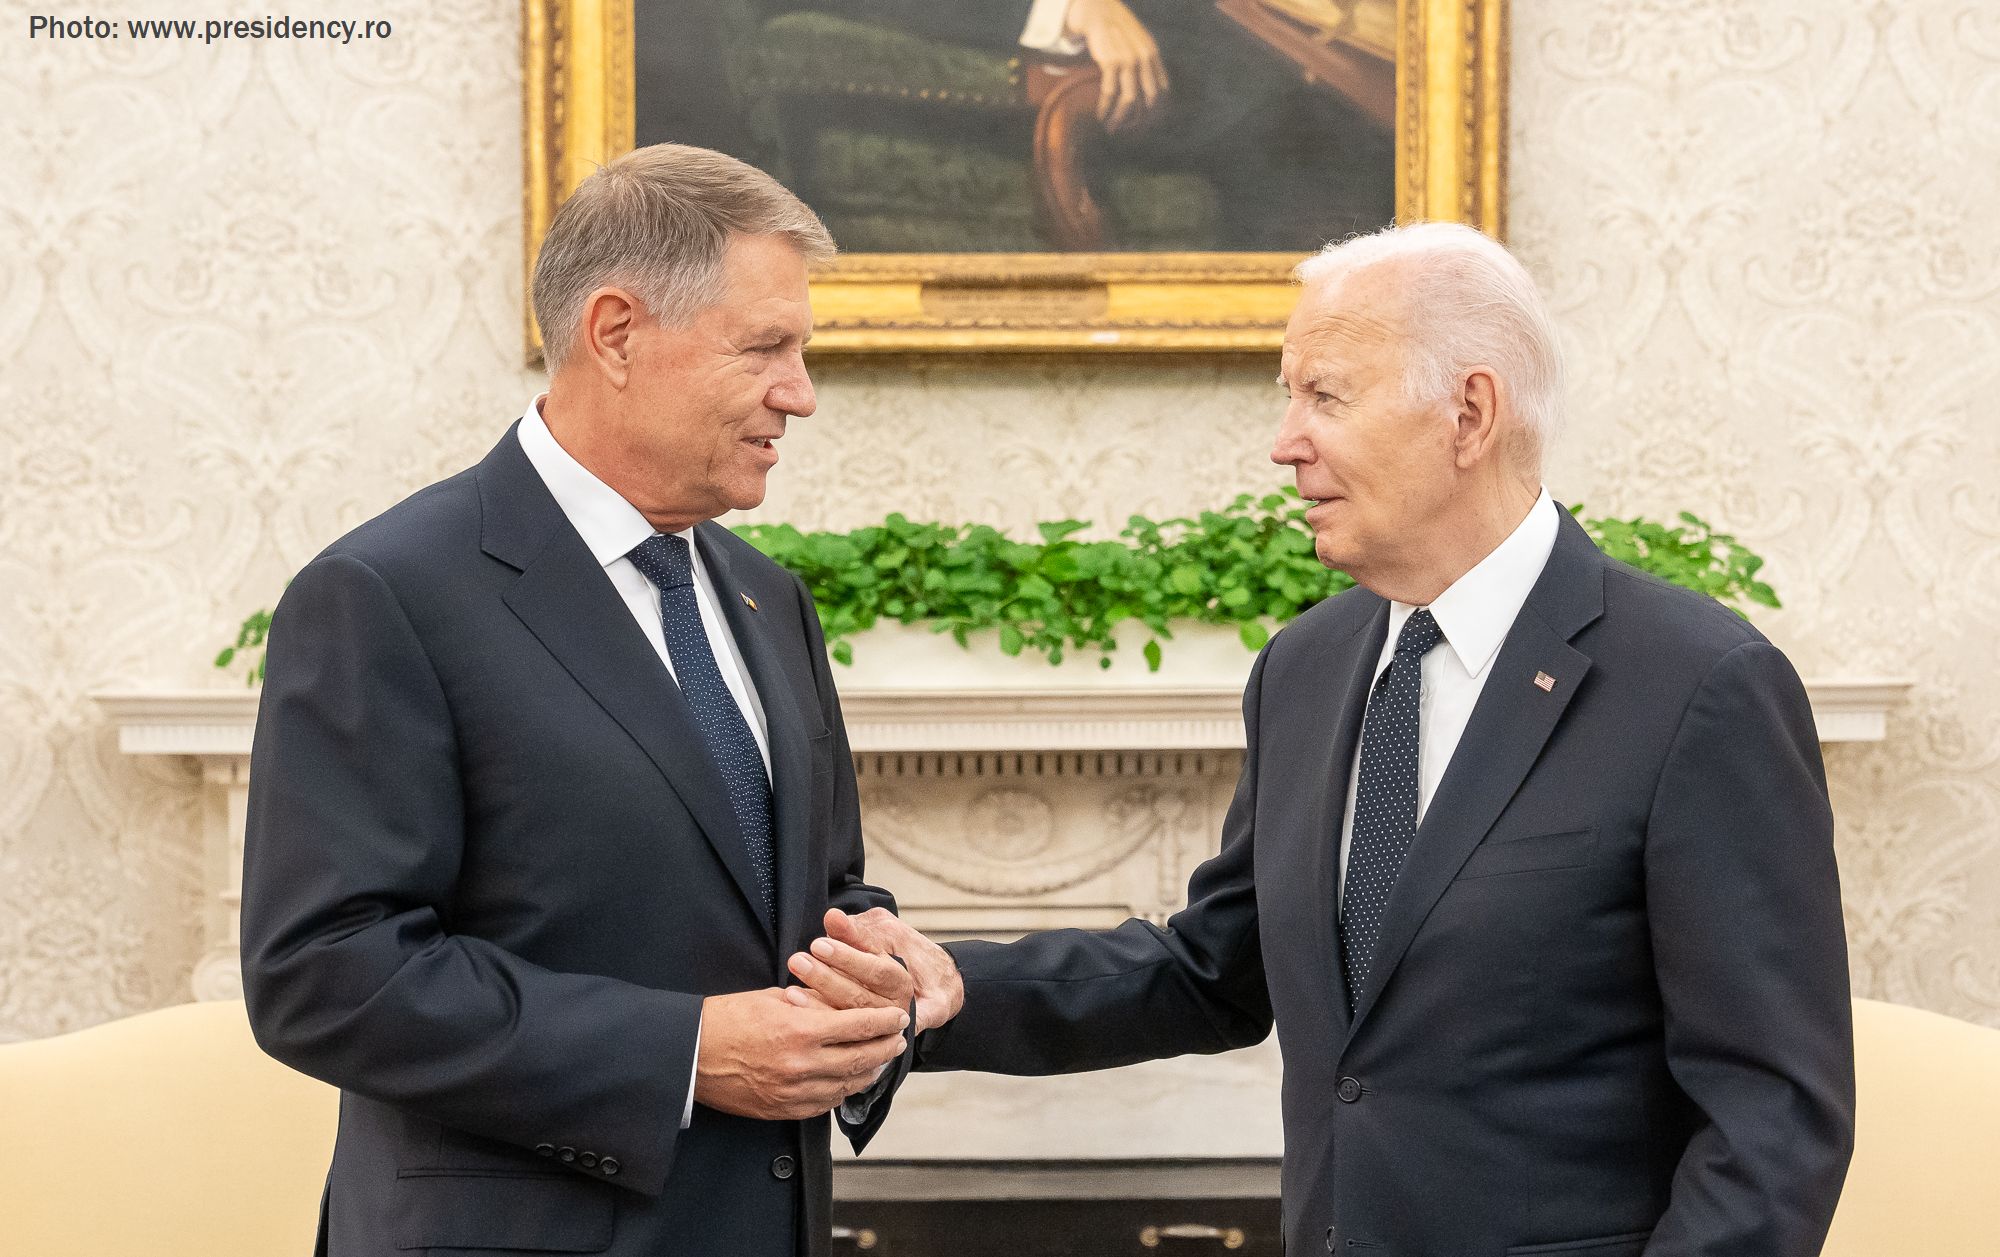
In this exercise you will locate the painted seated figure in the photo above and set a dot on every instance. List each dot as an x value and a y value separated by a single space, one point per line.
1038 125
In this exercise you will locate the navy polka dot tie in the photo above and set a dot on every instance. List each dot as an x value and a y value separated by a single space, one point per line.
1385 801
666 562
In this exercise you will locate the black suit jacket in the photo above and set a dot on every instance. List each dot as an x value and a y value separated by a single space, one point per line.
490 872
1613 1017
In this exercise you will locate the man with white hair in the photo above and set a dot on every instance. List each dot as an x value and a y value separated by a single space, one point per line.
1531 859
551 780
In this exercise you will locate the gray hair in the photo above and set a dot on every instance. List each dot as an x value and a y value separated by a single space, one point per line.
656 222
1471 303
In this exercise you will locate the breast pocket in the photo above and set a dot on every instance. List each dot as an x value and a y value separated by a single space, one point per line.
1535 853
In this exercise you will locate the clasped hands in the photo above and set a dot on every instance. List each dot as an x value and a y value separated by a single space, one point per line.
796 1052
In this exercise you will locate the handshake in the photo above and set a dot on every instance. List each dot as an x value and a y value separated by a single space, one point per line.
789 1053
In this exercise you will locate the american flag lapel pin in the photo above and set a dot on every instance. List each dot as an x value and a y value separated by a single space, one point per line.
748 601
1545 682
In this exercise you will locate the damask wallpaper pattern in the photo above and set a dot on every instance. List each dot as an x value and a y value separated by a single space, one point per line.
250 295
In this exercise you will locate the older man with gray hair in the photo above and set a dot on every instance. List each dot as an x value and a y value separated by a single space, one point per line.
1530 861
551 779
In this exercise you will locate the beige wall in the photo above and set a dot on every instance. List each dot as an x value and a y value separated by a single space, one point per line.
248 297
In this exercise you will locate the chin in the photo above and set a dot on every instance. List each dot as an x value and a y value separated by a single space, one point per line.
1333 552
745 497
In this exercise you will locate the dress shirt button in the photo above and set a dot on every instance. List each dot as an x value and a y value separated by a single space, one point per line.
545 1150
608 1165
1349 1090
781 1167
565 1155
588 1160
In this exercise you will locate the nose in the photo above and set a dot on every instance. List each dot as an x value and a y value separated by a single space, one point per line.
792 393
1291 448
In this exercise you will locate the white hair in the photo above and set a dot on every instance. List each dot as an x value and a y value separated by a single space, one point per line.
1471 303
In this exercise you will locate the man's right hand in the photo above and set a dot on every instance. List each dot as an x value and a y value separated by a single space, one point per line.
830 974
763 1056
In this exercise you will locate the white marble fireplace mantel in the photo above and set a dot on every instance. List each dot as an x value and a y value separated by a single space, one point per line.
1001 795
216 724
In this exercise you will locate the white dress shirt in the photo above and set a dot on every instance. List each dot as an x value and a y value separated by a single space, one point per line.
1474 614
1044 29
610 526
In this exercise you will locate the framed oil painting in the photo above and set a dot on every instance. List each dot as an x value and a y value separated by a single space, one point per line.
1043 174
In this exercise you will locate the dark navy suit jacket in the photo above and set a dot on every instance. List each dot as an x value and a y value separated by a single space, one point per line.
1613 1015
490 872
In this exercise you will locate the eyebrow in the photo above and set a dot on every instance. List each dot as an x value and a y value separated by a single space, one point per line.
1314 371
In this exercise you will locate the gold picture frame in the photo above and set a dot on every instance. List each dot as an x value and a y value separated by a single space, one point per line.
1450 125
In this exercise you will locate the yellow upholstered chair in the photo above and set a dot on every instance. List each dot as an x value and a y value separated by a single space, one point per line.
168 1134
1926 1175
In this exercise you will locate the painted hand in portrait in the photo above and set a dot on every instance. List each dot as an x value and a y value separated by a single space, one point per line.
930 126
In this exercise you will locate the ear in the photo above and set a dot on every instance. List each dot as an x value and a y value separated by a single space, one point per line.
610 316
1478 433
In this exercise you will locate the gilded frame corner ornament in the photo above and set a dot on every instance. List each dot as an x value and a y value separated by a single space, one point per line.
1451 93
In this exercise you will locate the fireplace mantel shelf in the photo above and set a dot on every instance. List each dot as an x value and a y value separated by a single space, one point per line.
217 723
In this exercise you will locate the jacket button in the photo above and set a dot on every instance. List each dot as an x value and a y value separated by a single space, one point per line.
565 1155
545 1150
1332 1244
588 1160
1349 1090
609 1165
781 1167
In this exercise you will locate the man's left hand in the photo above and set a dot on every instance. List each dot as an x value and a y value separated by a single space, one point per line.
839 975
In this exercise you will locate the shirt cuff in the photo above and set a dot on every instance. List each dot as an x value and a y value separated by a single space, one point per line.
694 1067
1044 31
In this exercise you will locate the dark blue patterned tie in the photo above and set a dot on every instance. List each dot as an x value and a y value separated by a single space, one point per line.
1385 801
665 561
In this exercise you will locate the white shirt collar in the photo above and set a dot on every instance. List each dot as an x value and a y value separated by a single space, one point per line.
1479 608
608 524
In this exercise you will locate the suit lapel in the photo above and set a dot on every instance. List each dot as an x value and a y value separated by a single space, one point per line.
785 727
1510 725
565 600
1349 700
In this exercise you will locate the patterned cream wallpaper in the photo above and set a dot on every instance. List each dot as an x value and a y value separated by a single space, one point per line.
251 295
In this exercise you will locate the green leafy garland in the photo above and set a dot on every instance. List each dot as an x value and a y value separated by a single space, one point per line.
1250 564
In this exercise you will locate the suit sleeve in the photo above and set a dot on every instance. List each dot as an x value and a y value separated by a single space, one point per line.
1065 1001
355 836
847 885
1743 901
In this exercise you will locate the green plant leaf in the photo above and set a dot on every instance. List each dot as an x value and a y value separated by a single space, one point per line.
1250 562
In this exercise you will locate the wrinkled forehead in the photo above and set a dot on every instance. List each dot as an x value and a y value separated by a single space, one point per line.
1356 316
